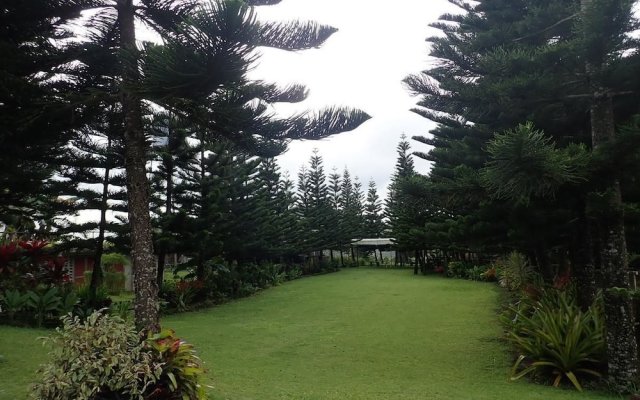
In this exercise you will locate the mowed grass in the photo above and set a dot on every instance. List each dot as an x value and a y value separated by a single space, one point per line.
356 334
20 355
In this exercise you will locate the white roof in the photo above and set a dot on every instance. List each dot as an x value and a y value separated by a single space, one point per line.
373 242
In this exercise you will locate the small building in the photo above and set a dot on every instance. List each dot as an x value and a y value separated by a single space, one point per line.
382 246
79 262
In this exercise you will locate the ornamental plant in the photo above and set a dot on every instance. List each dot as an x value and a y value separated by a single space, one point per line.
25 264
555 338
104 358
182 369
101 357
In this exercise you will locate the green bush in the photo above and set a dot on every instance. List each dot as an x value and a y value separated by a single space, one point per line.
554 337
276 274
475 273
122 310
88 303
104 358
101 357
13 301
293 273
168 295
111 259
458 269
515 272
43 303
114 282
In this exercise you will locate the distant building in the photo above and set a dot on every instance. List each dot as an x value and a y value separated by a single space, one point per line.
79 262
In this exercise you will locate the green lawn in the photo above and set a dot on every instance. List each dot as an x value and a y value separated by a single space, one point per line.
356 334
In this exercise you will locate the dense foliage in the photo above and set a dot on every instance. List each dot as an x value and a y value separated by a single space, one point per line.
103 357
527 97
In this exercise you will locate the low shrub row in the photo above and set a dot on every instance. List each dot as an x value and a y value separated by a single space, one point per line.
222 282
465 270
45 305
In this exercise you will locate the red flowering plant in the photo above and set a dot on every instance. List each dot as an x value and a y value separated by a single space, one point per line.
562 281
186 291
25 264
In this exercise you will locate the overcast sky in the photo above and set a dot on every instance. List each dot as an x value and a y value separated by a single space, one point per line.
378 43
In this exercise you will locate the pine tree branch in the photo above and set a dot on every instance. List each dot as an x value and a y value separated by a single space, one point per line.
562 21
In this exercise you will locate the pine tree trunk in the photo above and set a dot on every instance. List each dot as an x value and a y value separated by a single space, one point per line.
169 164
582 263
97 275
144 266
622 348
160 273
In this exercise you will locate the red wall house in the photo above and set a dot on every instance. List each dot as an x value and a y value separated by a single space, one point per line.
77 264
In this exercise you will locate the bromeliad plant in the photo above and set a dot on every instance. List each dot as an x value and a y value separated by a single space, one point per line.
181 368
555 337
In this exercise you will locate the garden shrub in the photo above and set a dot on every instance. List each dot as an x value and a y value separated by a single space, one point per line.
181 368
12 302
114 282
104 358
27 264
515 272
460 269
490 274
475 273
168 295
293 273
99 358
87 303
555 338
43 303
122 310
223 281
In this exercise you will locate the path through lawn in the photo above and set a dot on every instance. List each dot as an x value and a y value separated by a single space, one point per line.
357 334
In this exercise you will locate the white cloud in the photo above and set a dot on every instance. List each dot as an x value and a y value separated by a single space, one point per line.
362 66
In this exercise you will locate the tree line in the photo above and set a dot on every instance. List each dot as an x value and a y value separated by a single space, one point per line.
535 148
80 91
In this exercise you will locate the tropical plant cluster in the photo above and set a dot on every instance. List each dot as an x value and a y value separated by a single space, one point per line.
535 150
554 339
103 357
34 288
